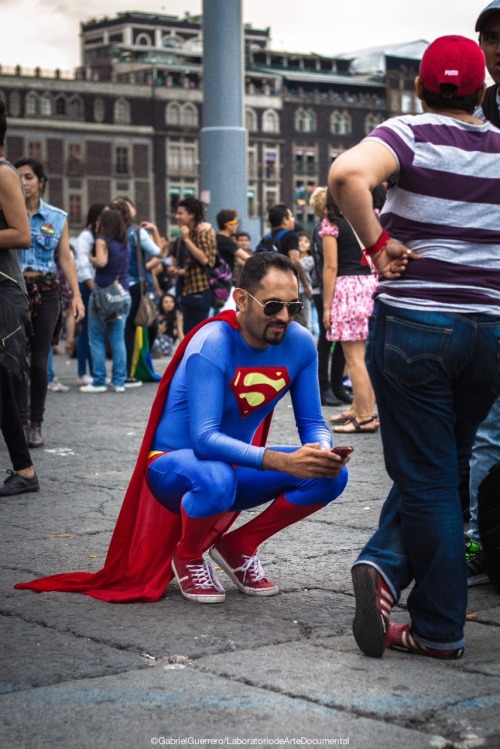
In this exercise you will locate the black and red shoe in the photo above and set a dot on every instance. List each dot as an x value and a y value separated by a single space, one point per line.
399 638
374 602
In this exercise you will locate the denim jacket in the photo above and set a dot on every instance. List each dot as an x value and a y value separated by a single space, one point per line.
47 225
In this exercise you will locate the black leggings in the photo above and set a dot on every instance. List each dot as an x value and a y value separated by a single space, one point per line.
31 395
10 423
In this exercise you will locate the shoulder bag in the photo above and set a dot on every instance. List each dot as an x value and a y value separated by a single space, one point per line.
146 311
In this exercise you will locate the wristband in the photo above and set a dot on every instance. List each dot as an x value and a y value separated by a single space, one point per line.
379 245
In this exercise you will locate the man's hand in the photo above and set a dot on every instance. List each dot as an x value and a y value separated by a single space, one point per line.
392 260
311 461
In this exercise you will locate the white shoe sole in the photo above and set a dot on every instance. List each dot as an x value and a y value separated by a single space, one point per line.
218 559
214 598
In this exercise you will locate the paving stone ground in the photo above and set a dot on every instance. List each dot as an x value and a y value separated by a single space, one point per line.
76 672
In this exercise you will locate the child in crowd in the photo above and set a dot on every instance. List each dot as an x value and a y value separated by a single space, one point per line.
307 263
169 325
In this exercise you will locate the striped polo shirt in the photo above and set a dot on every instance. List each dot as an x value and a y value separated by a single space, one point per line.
444 203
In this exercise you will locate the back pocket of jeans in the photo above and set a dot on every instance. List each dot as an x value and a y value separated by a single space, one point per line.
414 352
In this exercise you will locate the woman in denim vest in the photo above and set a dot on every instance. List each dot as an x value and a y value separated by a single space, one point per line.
49 232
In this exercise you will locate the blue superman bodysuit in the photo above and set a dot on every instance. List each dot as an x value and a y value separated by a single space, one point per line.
219 395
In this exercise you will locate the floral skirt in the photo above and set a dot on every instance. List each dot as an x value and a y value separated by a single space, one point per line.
351 307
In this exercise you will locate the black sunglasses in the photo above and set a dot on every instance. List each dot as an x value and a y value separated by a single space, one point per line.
273 307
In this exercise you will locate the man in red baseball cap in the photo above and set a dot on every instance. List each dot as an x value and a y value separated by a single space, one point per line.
431 353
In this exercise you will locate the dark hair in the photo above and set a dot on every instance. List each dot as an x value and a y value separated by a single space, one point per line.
277 214
37 168
243 234
112 226
332 211
93 214
304 234
259 265
193 206
3 122
121 205
447 99
227 214
167 293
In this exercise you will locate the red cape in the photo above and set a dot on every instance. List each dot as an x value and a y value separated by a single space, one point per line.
137 566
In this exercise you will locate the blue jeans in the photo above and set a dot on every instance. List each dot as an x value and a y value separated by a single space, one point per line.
195 308
435 377
116 337
485 454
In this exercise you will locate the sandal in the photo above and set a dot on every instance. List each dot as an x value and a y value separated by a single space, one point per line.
342 418
356 427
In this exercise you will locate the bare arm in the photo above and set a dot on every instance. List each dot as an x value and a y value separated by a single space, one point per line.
294 256
18 234
101 254
68 267
309 461
330 270
352 177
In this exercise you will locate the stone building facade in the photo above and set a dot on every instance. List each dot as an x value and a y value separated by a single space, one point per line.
127 121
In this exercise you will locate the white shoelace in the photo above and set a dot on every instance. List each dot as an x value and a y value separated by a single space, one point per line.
253 568
204 576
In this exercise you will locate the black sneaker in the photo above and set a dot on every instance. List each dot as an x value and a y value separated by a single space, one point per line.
17 484
476 564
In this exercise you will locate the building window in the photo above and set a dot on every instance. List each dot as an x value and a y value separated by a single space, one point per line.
35 150
305 121
121 112
60 106
143 39
270 163
31 104
75 209
371 122
189 160
251 120
252 163
270 121
340 123
271 197
99 109
75 108
46 105
173 113
75 161
189 116
121 160
174 158
15 104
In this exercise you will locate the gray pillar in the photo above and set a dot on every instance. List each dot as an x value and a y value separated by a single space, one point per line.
223 138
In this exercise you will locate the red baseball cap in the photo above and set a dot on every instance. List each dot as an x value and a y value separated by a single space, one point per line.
456 60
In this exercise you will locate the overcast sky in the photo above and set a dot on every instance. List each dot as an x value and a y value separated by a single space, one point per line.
46 32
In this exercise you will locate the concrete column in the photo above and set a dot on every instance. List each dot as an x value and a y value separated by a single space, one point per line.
223 137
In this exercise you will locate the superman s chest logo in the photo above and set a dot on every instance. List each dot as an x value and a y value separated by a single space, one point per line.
254 387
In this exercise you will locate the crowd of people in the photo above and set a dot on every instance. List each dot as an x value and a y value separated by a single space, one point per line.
396 289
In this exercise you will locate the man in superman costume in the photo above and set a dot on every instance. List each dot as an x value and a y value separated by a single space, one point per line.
203 458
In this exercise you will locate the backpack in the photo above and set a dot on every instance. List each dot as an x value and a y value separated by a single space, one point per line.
220 278
268 243
488 520
316 250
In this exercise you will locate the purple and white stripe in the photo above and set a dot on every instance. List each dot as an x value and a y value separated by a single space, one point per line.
445 205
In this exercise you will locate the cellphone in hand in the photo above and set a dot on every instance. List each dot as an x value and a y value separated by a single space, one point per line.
343 451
